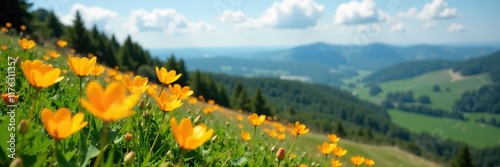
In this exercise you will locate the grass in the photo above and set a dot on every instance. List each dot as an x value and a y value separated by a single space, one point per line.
469 132
83 147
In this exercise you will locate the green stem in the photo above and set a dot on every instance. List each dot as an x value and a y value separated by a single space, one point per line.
326 159
54 152
103 143
253 144
158 134
34 106
21 144
181 159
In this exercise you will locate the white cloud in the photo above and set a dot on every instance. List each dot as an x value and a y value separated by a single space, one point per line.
437 9
398 27
90 15
232 16
288 14
165 20
408 14
455 27
429 25
355 12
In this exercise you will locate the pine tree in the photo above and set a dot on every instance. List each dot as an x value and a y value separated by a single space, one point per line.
125 54
197 84
78 35
235 96
56 28
181 67
339 130
171 63
463 158
258 104
223 98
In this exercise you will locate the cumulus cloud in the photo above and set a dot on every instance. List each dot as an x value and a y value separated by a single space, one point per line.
288 14
429 25
437 9
398 27
354 12
408 14
164 20
455 27
91 15
232 16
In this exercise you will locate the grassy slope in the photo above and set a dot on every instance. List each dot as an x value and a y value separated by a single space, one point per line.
466 131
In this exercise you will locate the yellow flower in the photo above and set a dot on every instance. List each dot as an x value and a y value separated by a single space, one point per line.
182 93
61 125
208 110
272 133
45 57
166 77
4 47
8 24
333 138
240 126
26 44
62 43
281 137
326 148
357 160
9 99
300 129
245 136
53 54
40 75
369 162
98 70
167 102
189 137
336 163
23 27
82 67
256 120
339 151
5 30
110 104
192 100
152 89
118 76
239 117
293 155
303 165
137 85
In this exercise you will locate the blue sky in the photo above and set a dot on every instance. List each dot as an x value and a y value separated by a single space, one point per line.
221 23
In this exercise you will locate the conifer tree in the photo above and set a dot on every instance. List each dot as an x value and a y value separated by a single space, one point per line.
463 158
258 104
78 35
55 26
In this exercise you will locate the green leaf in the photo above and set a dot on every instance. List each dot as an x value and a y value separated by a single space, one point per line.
239 161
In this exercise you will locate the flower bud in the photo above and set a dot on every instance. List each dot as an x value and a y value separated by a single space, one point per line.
18 162
214 139
280 154
227 123
145 115
198 119
23 127
142 105
129 158
273 148
128 137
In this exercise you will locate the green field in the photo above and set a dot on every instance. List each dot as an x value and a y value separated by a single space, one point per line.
422 85
466 131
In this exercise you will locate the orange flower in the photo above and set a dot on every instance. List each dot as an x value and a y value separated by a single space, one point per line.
26 44
137 85
245 136
281 137
152 89
239 117
82 67
98 70
192 100
208 110
3 47
53 54
62 43
333 138
167 102
110 104
280 155
61 125
303 165
8 24
4 30
9 99
357 160
189 137
369 162
299 129
23 27
166 77
45 57
272 133
339 151
326 148
40 75
182 93
256 120
336 163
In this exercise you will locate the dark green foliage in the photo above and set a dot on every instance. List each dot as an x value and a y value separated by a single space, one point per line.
77 36
180 67
16 13
407 70
436 88
147 71
424 99
204 85
375 90
401 97
463 158
387 104
487 64
420 109
239 98
492 121
259 104
485 99
339 129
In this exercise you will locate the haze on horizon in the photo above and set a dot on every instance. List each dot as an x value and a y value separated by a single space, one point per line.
232 23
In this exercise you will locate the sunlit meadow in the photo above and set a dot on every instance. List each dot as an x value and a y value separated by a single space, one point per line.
72 111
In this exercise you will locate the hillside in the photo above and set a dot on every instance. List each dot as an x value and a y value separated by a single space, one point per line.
407 70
